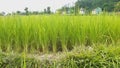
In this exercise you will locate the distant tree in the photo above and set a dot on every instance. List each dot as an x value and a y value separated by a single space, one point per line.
35 12
18 12
87 4
66 9
76 7
45 11
48 10
117 6
26 11
106 5
1 14
71 10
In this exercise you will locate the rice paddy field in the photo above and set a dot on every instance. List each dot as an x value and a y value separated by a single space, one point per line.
91 41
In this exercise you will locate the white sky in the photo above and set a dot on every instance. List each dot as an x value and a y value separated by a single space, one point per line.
33 5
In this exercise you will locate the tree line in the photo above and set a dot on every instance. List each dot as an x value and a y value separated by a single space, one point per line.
106 5
27 12
89 5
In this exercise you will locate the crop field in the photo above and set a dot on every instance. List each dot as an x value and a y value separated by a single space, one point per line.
54 33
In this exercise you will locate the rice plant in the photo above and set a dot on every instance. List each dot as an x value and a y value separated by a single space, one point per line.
56 33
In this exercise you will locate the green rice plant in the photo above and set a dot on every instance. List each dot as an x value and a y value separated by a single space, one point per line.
44 33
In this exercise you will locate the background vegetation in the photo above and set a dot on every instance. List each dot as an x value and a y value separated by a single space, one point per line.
101 56
106 5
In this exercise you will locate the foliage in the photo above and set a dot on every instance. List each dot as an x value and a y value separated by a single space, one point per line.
106 5
117 6
101 56
48 10
16 61
26 10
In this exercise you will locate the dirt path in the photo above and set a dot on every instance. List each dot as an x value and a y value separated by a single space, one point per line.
50 57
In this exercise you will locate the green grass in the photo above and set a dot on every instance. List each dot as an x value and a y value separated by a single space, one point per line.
101 56
57 33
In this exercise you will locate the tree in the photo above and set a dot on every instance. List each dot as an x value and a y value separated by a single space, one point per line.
48 10
45 11
26 11
117 6
87 4
35 12
18 12
107 5
1 14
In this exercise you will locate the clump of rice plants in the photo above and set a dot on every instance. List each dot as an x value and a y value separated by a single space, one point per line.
56 33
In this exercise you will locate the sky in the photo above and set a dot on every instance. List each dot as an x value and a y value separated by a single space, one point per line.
9 6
